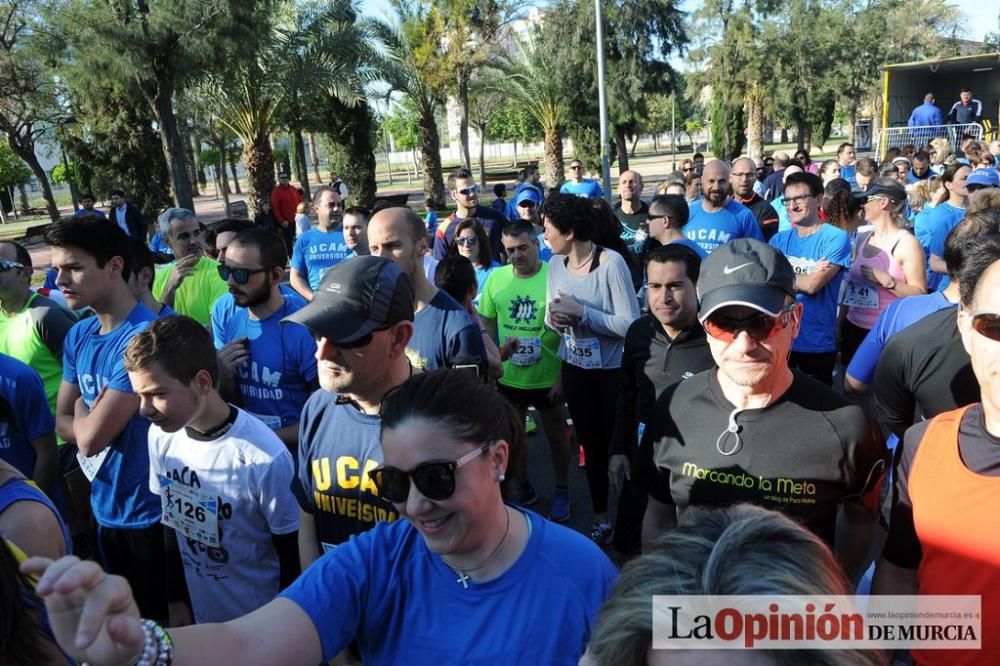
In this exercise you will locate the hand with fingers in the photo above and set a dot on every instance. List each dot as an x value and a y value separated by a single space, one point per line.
93 615
234 353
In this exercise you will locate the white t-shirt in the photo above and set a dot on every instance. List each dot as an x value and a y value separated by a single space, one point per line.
249 471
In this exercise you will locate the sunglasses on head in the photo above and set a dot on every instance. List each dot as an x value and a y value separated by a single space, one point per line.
466 240
466 191
986 324
435 480
759 327
9 265
240 275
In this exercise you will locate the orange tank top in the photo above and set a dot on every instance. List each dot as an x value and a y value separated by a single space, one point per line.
956 519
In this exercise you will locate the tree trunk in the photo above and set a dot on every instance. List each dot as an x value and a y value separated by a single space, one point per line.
222 177
194 165
22 190
161 101
554 167
755 113
656 143
784 134
635 144
300 162
236 175
314 153
430 158
515 154
26 151
482 155
258 160
621 148
463 122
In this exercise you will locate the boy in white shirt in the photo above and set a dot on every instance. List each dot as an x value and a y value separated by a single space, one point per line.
224 478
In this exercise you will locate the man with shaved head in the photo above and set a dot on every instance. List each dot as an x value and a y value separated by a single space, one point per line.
773 184
717 219
631 211
742 180
444 333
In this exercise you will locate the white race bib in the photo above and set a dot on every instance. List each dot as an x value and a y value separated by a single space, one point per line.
527 351
90 465
584 353
190 511
861 296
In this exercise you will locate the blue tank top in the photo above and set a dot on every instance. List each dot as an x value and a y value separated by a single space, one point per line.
21 490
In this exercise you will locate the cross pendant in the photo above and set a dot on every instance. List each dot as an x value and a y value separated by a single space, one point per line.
463 579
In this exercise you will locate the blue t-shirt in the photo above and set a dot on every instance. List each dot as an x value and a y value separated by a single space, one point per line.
900 314
937 225
481 275
687 242
544 251
818 332
588 187
850 174
444 331
159 245
119 494
710 230
95 212
404 606
317 251
24 416
274 380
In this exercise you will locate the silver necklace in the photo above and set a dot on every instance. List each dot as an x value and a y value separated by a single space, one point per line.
593 249
463 572
732 430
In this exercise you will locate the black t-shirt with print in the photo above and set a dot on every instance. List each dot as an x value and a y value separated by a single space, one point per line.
802 455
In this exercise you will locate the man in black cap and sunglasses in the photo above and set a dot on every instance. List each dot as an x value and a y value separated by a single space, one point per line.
362 319
753 430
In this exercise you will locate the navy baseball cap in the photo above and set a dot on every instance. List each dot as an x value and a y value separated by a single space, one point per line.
745 272
356 297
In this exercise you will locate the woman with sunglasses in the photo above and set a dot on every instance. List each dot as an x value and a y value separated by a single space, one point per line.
591 302
888 264
465 578
472 242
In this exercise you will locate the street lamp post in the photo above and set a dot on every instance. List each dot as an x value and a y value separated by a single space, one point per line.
603 103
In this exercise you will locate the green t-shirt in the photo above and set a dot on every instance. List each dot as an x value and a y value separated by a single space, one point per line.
197 293
518 305
34 336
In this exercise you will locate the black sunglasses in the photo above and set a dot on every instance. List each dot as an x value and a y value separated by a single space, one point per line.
240 275
363 341
986 324
435 480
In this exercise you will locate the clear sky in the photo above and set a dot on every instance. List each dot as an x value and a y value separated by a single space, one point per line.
981 15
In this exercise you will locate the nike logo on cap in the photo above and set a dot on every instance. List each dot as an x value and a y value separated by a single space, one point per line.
727 270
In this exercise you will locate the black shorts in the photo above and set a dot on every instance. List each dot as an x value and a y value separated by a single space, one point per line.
524 398
68 464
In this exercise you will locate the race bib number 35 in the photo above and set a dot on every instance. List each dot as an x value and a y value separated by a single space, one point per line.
189 511
583 352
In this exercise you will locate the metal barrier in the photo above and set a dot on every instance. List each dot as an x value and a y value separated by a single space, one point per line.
897 137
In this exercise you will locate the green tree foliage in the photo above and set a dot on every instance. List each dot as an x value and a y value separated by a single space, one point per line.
512 123
160 45
13 170
351 135
403 125
992 41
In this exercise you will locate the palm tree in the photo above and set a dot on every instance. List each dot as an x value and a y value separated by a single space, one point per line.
405 51
280 62
532 80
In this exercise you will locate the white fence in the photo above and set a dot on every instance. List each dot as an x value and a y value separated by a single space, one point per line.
897 137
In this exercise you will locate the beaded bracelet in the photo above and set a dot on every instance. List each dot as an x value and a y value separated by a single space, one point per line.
157 649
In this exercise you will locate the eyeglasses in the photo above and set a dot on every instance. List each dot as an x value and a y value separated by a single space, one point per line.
434 480
527 203
363 341
466 240
575 167
687 169
986 324
9 265
759 327
656 216
743 174
240 275
801 199
466 191
875 197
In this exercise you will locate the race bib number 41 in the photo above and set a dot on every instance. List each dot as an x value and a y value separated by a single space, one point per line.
861 296
189 511
584 353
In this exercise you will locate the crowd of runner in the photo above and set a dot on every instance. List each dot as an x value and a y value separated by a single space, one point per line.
278 442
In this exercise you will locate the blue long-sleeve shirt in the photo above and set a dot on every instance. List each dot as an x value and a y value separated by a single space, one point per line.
962 113
926 114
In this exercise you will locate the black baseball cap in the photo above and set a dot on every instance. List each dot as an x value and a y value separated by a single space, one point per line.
745 272
356 297
889 188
